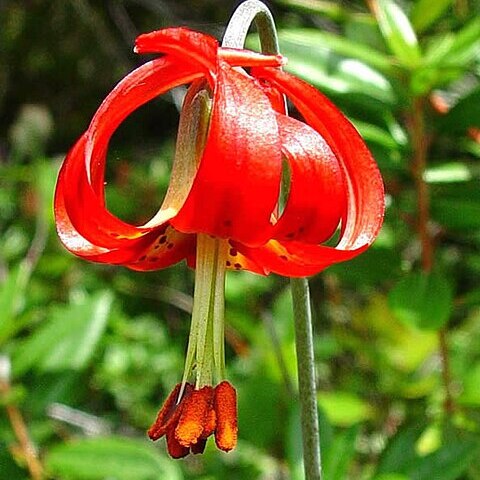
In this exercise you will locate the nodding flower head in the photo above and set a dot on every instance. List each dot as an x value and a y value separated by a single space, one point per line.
225 207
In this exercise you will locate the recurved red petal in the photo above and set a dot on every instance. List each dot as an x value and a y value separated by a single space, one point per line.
137 88
166 248
160 248
85 207
237 184
138 248
69 236
247 58
297 259
180 42
316 198
365 193
84 224
235 260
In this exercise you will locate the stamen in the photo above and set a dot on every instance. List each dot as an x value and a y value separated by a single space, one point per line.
194 416
169 413
210 424
225 404
199 447
175 449
188 423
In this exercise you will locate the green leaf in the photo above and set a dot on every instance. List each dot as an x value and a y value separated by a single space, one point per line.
262 419
465 114
428 77
311 57
446 57
422 300
66 387
68 339
402 347
459 48
447 463
454 172
8 467
471 391
13 290
11 300
344 408
294 446
330 9
340 454
373 134
115 458
391 476
400 450
430 440
398 33
425 12
313 38
456 214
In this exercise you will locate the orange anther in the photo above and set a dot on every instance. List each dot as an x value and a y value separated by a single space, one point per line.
225 405
175 449
199 447
169 413
210 424
194 416
199 414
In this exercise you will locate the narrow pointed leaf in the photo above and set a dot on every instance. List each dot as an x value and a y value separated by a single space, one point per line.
110 457
398 32
426 12
340 454
68 340
314 38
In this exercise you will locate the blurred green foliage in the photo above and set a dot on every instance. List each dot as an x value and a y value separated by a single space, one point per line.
88 352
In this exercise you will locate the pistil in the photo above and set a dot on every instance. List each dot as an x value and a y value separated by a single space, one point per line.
206 353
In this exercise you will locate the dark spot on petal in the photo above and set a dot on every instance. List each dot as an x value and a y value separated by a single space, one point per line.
227 223
170 246
290 235
301 229
156 247
153 259
142 258
283 257
233 252
228 263
237 266
162 239
114 235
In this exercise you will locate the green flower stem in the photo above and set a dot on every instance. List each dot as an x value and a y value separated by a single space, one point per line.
306 377
237 29
242 18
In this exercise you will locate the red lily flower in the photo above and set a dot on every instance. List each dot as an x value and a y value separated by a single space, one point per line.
235 190
221 209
